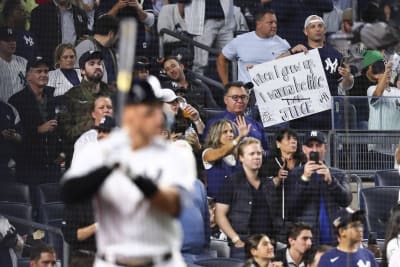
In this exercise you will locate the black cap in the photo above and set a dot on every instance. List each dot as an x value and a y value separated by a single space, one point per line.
88 56
36 62
248 85
315 136
106 124
345 217
141 92
142 63
6 34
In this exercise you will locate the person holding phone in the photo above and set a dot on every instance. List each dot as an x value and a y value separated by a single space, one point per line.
315 193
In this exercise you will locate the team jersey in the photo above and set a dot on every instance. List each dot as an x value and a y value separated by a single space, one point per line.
337 258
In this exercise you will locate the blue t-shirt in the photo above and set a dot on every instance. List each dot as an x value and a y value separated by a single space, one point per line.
336 258
249 49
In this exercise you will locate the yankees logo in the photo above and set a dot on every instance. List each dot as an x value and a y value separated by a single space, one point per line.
29 40
331 66
361 263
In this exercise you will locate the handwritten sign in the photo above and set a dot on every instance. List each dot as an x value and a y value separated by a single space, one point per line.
290 88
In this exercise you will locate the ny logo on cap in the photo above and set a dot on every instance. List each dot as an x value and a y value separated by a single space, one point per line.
314 133
9 31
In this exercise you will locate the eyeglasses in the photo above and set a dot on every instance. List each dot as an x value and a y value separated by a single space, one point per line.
237 97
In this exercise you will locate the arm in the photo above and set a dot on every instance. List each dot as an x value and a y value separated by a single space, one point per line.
117 7
340 189
347 78
294 50
222 68
383 81
221 212
86 232
144 17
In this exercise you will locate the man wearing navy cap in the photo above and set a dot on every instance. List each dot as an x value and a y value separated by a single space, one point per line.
12 67
349 229
80 99
315 192
140 184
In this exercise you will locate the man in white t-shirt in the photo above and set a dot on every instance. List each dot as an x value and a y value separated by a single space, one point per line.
254 47
139 183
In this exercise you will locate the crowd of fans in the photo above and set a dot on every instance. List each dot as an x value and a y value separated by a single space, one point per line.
58 92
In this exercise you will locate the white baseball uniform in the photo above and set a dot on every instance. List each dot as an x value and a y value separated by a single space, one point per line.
128 226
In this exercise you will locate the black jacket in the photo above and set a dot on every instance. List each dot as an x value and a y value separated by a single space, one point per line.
46 27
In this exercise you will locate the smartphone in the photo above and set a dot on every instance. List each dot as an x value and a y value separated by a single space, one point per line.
372 238
342 61
314 156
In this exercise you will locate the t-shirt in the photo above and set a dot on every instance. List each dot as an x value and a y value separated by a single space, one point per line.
249 49
335 257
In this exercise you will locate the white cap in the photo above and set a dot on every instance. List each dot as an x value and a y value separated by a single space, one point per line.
313 19
167 95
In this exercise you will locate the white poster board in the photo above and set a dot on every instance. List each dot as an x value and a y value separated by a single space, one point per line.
290 88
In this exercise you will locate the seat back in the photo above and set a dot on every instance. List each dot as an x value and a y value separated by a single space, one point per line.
220 262
52 213
14 192
19 210
49 193
377 203
387 178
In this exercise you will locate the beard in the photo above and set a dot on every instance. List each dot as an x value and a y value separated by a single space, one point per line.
95 78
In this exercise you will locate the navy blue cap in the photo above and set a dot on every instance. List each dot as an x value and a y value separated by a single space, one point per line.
88 55
6 34
315 136
36 62
345 217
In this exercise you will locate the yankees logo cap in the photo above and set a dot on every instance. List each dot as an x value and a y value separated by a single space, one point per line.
6 34
345 217
315 136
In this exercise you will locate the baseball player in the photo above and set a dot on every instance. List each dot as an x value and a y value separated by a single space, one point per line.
139 183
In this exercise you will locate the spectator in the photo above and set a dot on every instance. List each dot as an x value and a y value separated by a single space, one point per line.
142 68
216 233
395 261
260 252
218 159
57 22
338 76
313 255
349 229
384 112
292 13
286 154
64 77
236 99
12 67
80 99
185 115
132 8
212 23
195 221
101 113
103 39
15 17
43 255
39 153
243 202
10 242
90 7
315 192
299 240
392 238
10 137
372 65
197 93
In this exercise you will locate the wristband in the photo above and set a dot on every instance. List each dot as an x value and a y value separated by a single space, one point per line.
305 178
235 239
147 186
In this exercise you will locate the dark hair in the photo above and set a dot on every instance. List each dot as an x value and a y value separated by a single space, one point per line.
295 229
36 251
260 14
279 135
9 7
309 256
393 228
229 85
105 24
170 58
252 243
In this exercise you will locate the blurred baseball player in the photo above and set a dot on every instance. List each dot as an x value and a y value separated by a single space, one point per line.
139 184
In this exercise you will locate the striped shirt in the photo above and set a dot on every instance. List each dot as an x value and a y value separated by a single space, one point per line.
12 76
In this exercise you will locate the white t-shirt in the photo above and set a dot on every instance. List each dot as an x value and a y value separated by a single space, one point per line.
249 49
128 226
228 159
86 138
395 260
392 246
12 76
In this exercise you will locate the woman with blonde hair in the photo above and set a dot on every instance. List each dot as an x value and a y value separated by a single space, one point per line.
218 158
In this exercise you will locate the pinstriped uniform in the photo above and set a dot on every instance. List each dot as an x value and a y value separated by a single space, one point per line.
12 76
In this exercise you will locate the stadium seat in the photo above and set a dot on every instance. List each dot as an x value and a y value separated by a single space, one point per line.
377 202
221 247
49 193
220 262
8 258
14 192
23 262
18 210
387 178
211 112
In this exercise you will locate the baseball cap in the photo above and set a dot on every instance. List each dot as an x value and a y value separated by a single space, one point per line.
313 19
347 14
142 92
345 217
106 124
168 95
315 136
6 34
36 62
370 57
92 54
